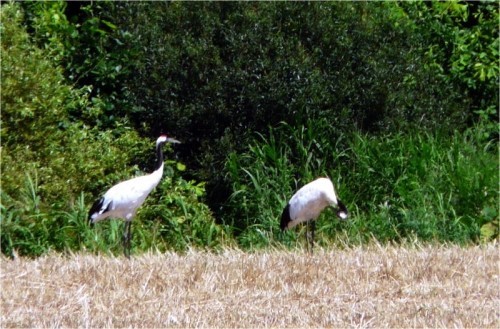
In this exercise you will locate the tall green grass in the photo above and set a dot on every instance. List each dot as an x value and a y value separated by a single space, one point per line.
264 178
397 187
433 187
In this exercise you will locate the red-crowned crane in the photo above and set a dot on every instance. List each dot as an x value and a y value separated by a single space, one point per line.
123 199
307 204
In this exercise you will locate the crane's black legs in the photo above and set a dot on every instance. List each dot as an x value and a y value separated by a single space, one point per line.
313 229
127 239
310 232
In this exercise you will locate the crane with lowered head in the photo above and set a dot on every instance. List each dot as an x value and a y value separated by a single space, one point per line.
123 199
307 204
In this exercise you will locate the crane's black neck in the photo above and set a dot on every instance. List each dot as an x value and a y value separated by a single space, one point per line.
159 156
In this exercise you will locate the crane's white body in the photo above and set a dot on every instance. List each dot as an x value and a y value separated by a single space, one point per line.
309 201
123 199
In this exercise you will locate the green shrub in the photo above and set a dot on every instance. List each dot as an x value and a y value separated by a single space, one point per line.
228 70
39 132
54 165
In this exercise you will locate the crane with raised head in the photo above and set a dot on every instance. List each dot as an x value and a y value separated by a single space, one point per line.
123 199
307 204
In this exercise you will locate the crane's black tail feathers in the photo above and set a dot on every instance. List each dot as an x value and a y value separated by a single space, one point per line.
96 208
285 217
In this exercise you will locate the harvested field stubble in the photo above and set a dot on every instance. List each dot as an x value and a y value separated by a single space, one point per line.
360 287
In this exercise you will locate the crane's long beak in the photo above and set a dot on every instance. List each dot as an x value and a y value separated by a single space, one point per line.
172 140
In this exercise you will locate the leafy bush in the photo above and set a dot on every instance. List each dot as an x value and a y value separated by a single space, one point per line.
53 163
462 48
39 132
213 74
179 220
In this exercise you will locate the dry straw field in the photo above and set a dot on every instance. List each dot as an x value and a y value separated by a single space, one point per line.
419 286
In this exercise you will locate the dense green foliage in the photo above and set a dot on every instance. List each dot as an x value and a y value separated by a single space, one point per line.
396 102
53 163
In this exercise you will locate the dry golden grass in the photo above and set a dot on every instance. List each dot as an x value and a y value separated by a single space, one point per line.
361 287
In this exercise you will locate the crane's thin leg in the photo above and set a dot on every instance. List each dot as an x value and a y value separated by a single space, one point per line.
307 236
310 228
127 238
313 231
